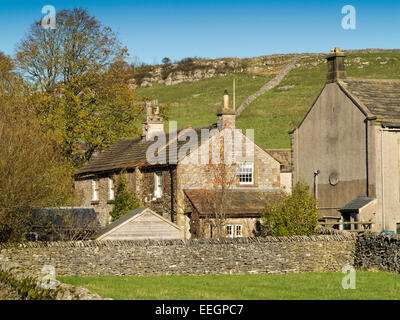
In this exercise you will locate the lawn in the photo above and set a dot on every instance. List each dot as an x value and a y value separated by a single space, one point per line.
314 286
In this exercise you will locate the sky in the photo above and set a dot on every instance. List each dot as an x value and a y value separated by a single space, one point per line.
152 30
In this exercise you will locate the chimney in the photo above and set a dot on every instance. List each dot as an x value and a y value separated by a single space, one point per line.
153 123
226 116
336 69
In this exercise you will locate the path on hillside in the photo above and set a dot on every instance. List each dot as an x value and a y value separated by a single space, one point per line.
270 85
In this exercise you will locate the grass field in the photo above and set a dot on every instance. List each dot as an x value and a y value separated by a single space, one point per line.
275 113
313 286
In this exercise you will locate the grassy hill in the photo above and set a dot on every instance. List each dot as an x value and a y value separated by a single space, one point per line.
276 112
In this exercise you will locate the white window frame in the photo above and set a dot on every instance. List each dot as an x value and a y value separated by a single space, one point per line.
236 231
95 190
246 166
158 184
111 189
229 234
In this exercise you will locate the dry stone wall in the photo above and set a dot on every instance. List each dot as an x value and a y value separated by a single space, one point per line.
28 283
195 257
378 252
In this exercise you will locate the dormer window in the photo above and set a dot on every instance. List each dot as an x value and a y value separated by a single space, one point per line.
246 173
95 190
158 184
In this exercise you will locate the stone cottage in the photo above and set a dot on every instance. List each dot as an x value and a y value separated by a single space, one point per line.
171 178
284 157
347 148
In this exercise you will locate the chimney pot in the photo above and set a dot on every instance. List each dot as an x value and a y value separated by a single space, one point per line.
149 109
226 99
226 116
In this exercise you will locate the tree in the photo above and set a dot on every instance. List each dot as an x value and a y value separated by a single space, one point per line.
6 67
291 214
95 116
125 200
218 198
83 94
166 60
166 69
32 172
78 46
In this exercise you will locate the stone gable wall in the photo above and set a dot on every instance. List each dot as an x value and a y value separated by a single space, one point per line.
196 257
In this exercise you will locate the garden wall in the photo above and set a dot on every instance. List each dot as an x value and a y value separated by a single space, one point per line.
378 252
201 256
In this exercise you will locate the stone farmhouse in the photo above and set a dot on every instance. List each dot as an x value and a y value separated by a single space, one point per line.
347 148
179 189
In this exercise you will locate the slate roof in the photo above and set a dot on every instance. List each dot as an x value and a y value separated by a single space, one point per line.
283 156
380 98
118 222
356 204
57 216
243 203
128 153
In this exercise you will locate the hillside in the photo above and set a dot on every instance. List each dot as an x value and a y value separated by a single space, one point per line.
277 111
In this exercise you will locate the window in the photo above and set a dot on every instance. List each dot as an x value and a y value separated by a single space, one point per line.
246 173
111 193
158 185
229 231
95 189
234 231
238 231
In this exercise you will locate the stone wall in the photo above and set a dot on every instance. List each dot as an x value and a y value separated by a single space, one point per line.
378 252
202 256
29 283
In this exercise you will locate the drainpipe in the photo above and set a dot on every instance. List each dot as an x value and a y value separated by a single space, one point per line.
382 182
382 174
316 173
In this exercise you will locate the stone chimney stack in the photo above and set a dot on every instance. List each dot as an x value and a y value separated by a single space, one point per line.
336 68
153 123
226 116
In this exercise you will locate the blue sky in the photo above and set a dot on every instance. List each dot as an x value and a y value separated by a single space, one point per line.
154 29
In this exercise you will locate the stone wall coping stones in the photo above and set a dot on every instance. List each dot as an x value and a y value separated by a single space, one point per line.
192 242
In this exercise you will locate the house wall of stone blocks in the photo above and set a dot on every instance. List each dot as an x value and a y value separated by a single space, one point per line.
84 191
192 175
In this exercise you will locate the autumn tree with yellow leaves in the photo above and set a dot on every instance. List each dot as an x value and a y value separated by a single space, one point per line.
80 75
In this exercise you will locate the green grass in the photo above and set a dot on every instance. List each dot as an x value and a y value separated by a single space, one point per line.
194 103
313 286
275 113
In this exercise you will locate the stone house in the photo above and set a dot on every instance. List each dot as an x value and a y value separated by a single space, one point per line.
347 148
284 157
167 179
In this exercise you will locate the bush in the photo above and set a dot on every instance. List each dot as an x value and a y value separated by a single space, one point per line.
125 200
141 72
294 214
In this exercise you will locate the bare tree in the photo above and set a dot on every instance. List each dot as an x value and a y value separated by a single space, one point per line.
218 199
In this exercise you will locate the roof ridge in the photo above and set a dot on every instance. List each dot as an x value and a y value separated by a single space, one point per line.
370 80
